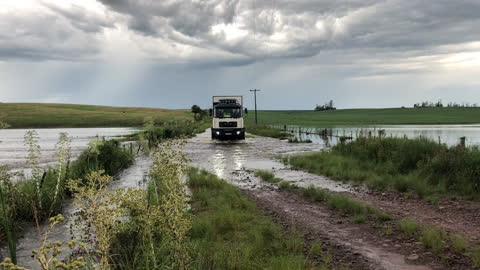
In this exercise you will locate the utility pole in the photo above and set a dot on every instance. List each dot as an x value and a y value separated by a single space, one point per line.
255 95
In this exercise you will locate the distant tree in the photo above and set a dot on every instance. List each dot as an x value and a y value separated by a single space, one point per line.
198 113
196 109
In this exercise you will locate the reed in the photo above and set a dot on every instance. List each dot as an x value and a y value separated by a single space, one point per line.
420 165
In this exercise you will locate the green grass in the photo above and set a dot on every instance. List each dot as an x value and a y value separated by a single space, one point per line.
409 227
434 238
267 176
339 202
459 244
361 117
475 256
47 115
419 165
228 231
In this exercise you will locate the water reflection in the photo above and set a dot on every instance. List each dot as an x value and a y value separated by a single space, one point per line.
219 163
449 134
13 152
238 158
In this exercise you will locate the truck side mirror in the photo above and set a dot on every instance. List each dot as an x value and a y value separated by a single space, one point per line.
246 111
210 112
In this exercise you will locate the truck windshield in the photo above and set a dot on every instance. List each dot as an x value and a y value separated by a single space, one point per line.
228 113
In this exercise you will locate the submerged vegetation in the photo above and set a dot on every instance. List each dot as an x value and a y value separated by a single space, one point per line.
420 165
41 196
267 131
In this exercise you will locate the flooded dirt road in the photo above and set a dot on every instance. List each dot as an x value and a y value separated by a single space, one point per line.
360 247
236 161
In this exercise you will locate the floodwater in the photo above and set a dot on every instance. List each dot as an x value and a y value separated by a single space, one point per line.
236 161
449 134
13 152
233 161
136 176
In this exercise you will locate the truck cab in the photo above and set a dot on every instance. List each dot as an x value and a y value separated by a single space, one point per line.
227 113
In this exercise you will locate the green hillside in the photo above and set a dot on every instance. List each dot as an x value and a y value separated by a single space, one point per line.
46 115
360 117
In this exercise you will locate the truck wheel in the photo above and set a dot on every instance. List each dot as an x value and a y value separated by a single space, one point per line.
213 135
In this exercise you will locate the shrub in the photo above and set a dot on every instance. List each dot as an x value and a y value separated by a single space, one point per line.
107 156
459 244
433 238
475 256
267 176
409 227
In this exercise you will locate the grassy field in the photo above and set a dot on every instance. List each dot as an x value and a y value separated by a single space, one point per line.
419 165
46 115
360 117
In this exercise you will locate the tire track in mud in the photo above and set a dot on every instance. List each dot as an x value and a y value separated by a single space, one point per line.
235 163
350 244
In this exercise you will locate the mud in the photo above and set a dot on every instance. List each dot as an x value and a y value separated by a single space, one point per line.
359 246
456 216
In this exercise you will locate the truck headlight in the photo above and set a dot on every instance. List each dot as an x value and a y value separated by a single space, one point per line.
238 132
218 132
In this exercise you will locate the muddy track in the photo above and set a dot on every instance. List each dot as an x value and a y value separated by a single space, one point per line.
457 216
362 246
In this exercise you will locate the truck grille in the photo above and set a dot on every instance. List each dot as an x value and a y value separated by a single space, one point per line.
228 124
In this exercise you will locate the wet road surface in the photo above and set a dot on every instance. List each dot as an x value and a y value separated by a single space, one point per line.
236 161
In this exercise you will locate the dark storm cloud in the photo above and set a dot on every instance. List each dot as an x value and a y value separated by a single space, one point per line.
81 18
50 32
251 30
306 27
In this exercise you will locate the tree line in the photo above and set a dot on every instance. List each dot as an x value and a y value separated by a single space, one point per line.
439 104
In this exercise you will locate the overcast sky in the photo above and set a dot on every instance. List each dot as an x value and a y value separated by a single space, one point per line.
175 53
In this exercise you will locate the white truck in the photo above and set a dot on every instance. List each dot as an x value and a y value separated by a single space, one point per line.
227 113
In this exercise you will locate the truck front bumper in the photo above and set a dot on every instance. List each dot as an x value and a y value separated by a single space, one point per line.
228 133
